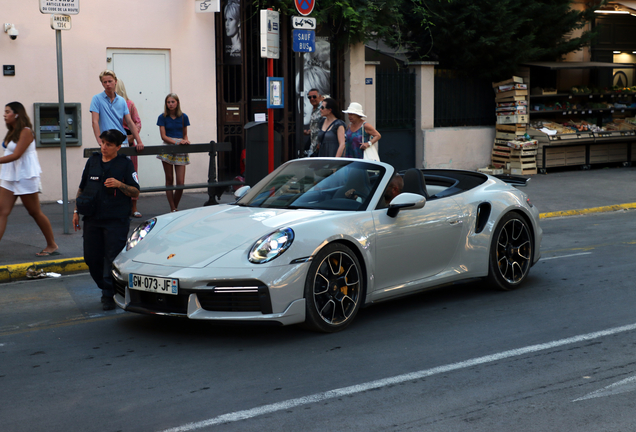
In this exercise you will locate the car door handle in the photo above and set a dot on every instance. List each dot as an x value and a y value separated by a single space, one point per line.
455 221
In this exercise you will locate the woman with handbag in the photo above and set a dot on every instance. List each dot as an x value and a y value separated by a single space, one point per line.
331 135
20 174
360 135
173 125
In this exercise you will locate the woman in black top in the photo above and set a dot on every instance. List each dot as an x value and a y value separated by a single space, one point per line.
331 136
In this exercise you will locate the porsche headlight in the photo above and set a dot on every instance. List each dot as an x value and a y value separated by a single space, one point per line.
271 246
139 233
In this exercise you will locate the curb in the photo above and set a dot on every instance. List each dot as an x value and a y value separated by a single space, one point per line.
14 272
588 211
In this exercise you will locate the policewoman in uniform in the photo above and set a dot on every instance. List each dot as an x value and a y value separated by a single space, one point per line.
109 181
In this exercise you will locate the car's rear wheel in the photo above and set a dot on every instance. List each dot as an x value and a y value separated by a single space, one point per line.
511 252
333 289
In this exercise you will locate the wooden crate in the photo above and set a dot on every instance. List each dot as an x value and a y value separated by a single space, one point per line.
523 162
525 152
508 135
527 171
491 170
501 150
499 162
512 119
516 127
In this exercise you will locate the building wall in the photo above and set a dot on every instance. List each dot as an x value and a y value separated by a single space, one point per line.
466 148
141 24
355 72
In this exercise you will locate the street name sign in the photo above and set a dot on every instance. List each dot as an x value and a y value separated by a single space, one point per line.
60 22
305 23
66 7
303 41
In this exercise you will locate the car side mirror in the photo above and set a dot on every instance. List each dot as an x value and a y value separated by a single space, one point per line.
405 201
240 192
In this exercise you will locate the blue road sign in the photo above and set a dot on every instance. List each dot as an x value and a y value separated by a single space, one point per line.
303 41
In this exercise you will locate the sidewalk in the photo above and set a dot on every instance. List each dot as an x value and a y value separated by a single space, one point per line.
23 239
559 193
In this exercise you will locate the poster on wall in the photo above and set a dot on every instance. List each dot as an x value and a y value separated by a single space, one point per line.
232 32
317 74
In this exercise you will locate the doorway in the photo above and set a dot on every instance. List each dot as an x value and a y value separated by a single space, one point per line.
146 75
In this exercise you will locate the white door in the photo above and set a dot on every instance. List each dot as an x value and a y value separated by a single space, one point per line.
146 75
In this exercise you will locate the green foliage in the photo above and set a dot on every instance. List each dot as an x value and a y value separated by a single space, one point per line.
488 38
491 38
351 21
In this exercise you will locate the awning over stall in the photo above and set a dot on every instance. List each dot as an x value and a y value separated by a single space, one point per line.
580 65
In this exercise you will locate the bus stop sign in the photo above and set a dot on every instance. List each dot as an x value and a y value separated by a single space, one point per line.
304 7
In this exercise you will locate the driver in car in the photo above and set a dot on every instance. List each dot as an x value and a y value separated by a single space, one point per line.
394 188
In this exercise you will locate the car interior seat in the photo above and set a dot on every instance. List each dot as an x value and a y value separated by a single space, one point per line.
414 182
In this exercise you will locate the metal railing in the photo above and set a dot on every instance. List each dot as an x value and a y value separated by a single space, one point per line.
215 189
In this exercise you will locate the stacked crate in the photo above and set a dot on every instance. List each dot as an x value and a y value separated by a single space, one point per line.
511 151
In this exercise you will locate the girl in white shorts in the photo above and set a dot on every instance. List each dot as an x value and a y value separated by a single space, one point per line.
20 174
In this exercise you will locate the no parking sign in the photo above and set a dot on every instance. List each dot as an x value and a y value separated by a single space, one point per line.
304 7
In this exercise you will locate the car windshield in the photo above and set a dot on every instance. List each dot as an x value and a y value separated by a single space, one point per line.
323 184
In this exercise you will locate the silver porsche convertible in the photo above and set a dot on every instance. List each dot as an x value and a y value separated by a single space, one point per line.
319 238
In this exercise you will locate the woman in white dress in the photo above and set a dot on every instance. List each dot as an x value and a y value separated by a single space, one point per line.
20 174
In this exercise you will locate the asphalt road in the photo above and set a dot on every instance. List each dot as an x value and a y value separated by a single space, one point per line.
557 354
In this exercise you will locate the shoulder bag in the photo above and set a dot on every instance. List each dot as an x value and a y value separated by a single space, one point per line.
371 152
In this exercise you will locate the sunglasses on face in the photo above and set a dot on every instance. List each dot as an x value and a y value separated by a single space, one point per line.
312 97
323 107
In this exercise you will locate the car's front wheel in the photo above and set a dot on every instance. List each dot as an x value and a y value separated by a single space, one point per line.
333 289
511 252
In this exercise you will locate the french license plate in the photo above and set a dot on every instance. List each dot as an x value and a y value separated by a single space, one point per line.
153 284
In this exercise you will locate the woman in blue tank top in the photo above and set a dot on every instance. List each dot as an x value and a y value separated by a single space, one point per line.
360 135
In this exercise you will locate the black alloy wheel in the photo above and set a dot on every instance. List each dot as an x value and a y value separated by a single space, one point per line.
333 290
511 252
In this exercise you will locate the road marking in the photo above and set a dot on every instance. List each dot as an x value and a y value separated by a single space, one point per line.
359 388
565 256
616 207
624 386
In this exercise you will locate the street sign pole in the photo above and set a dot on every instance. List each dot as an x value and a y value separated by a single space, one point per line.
59 23
307 25
270 49
300 110
62 111
270 122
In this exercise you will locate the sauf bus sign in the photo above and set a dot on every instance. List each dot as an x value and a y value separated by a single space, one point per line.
304 7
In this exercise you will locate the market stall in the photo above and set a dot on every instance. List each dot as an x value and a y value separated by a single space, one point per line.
579 124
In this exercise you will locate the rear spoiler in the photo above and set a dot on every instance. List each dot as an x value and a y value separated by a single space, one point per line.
516 181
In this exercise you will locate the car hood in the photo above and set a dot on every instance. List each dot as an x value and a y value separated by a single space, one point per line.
198 237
